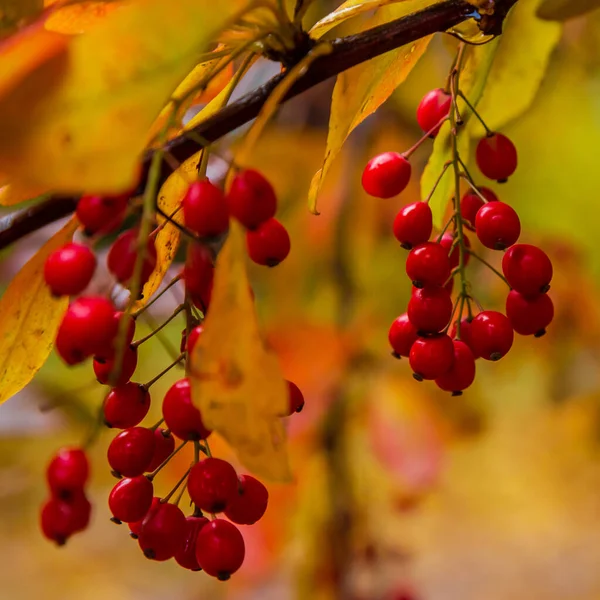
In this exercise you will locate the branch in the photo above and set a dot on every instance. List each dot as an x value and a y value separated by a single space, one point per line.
347 52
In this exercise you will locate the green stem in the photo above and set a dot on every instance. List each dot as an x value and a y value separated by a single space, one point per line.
146 306
488 132
139 342
489 266
165 370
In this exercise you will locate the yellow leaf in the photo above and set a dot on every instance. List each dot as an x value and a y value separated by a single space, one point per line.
12 194
236 380
81 121
77 18
561 10
30 319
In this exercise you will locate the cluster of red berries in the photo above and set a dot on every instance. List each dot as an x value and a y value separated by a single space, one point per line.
440 343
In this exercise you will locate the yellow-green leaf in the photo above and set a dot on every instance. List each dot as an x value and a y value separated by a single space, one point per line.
236 380
30 319
81 121
561 10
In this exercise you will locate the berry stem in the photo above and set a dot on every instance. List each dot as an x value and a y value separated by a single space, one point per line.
437 181
139 342
171 283
489 266
177 485
178 499
408 153
156 425
158 469
488 131
165 342
467 178
165 371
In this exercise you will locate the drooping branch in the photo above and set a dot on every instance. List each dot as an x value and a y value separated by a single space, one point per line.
347 52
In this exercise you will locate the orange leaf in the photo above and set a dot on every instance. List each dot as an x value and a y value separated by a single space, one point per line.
77 18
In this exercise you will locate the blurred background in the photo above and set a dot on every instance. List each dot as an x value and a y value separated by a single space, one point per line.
401 491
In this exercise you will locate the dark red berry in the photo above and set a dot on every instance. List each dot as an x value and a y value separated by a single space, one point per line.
59 519
269 244
434 106
186 555
163 531
136 526
529 315
212 484
251 502
164 444
131 451
428 264
462 373
413 224
181 416
69 269
496 157
220 549
126 405
123 254
101 214
491 335
295 399
386 175
193 338
471 203
108 373
205 209
527 269
431 357
251 199
497 225
447 242
198 275
67 472
108 352
429 309
465 334
131 498
402 335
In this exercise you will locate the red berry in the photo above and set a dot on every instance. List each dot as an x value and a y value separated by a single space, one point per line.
465 334
413 224
496 157
447 241
471 203
269 244
69 269
529 315
164 444
251 199
198 275
67 472
491 335
497 225
434 106
131 498
193 338
205 210
107 373
126 405
386 175
430 309
59 520
527 269
220 549
428 264
251 502
101 214
431 357
296 399
402 335
212 484
186 555
136 526
181 416
462 373
130 330
123 254
131 451
162 533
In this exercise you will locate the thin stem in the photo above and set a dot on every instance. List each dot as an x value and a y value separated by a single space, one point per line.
489 266
178 499
139 342
146 306
488 131
165 462
437 181
156 425
165 371
170 494
474 188
408 153
165 342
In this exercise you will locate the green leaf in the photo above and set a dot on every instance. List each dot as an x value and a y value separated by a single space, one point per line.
561 10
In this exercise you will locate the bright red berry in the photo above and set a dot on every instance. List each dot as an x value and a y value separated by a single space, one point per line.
386 175
527 269
205 209
430 309
492 335
447 242
251 199
131 498
163 531
471 203
496 157
198 275
402 335
131 451
434 106
220 549
497 225
108 373
529 315
164 444
251 502
193 338
130 329
413 224
59 519
69 269
428 264
462 373
296 399
181 416
269 244
101 214
465 334
186 555
212 484
431 357
123 255
136 526
126 405
67 472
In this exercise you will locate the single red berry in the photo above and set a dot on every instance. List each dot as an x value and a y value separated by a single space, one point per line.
462 373
205 209
126 405
529 315
251 502
402 335
186 555
198 275
220 549
131 451
434 106
527 269
386 175
108 353
269 244
471 203
136 526
123 254
497 225
130 329
413 224
164 444
492 335
59 520
296 399
447 242
496 157
101 214
431 357
108 373
428 264
430 309
163 531
67 472
465 334
212 484
69 269
251 199
181 416
193 338
131 498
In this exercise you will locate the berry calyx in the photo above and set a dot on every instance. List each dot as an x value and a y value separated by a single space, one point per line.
295 399
162 533
126 405
496 157
186 555
131 498
431 357
220 549
527 269
413 224
205 210
212 484
471 203
123 254
67 472
108 373
430 309
462 373
497 225
428 264
386 175
101 214
251 199
251 502
402 335
529 315
181 416
434 106
69 269
131 451
492 335
164 445
269 244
